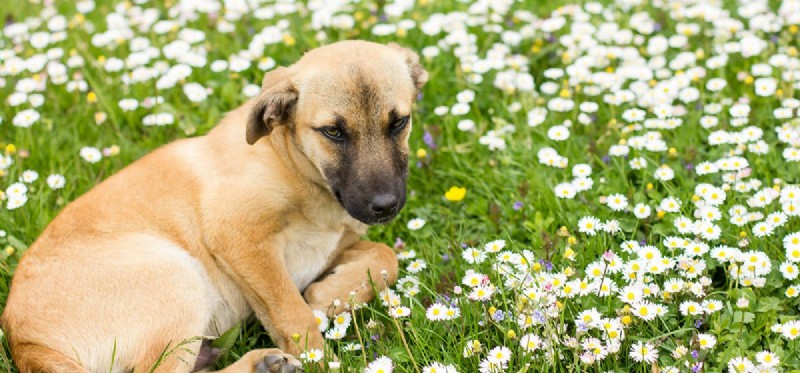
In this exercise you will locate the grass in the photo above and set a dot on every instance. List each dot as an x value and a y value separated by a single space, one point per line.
509 192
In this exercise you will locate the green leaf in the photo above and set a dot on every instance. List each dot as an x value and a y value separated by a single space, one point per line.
746 318
17 244
399 354
227 339
768 304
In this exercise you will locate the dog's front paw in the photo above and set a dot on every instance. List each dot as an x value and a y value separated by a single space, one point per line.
279 363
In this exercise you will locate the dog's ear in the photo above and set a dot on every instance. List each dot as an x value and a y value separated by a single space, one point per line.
418 74
274 106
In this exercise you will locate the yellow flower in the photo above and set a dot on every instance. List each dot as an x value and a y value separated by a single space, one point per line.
455 194
512 334
11 149
289 40
421 153
91 97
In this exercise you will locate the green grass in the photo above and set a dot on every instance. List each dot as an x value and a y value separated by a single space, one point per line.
509 193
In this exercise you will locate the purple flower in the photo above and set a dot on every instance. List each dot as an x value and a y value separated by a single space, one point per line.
375 337
428 139
698 323
517 206
498 316
420 96
547 265
695 354
689 166
538 316
445 258
606 159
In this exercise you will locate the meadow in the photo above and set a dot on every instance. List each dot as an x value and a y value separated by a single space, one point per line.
594 186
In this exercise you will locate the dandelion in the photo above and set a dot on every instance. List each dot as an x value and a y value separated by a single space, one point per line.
455 194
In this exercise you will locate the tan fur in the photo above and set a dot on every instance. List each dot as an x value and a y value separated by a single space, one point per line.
203 232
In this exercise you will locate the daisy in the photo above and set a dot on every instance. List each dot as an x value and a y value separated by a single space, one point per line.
436 312
643 353
439 368
706 341
531 342
322 320
494 246
481 293
313 355
400 312
415 224
381 365
740 365
617 202
499 355
789 270
91 154
416 266
641 211
768 358
473 256
342 321
589 225
565 190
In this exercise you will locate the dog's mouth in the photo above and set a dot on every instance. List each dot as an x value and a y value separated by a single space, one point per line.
361 216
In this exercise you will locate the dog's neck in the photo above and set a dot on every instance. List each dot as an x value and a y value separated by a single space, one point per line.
287 151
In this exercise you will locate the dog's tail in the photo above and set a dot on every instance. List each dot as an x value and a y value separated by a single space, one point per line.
33 358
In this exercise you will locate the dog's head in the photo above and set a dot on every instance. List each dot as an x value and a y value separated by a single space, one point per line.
347 108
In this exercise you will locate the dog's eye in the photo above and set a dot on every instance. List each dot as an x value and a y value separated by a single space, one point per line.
333 133
398 125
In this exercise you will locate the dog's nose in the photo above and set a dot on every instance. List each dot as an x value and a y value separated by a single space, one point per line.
383 204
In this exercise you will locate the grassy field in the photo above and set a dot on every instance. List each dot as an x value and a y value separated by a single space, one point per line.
593 186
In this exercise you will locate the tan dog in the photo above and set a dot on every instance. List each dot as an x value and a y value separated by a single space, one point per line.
202 233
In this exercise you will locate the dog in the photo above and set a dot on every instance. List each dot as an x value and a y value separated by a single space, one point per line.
261 216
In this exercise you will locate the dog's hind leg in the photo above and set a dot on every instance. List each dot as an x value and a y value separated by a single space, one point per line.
39 359
351 272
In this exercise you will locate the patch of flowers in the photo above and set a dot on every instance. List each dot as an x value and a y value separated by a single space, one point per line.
647 154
